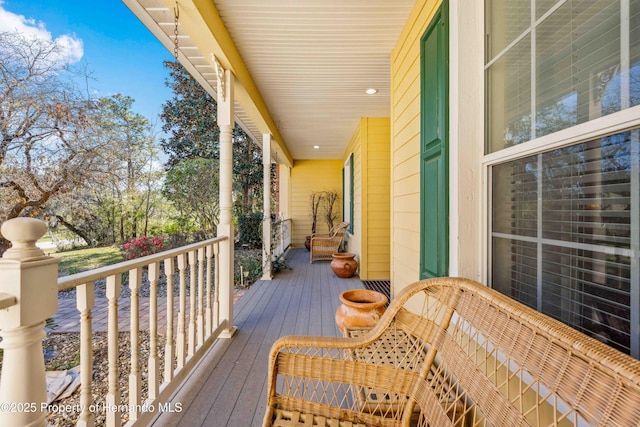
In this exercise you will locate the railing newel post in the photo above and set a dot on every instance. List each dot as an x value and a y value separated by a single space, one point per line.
31 278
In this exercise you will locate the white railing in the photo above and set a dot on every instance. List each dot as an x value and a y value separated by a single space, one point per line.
281 238
190 330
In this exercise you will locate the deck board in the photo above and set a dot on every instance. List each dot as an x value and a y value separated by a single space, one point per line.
229 386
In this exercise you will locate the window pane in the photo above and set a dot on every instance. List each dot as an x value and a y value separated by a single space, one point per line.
514 270
578 64
587 192
515 198
506 20
576 248
589 291
542 6
509 98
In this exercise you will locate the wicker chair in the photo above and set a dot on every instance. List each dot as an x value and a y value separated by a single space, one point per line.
323 246
451 352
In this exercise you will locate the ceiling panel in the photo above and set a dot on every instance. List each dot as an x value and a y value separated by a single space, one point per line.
311 61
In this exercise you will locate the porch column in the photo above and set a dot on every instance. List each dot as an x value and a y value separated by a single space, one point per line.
266 222
225 227
29 286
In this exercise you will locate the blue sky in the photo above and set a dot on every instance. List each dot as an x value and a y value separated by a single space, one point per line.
123 56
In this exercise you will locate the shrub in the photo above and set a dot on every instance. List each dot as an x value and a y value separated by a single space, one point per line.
251 262
143 246
250 229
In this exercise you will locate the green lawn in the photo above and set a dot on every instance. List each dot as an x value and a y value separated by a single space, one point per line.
86 259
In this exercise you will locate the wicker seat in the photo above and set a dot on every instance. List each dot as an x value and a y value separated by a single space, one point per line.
451 352
323 246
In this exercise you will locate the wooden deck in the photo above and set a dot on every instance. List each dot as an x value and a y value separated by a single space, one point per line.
229 386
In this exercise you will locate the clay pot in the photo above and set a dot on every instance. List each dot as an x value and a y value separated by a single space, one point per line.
343 264
307 242
360 309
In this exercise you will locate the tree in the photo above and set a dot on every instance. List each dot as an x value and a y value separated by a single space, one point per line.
193 187
118 203
47 127
247 170
131 158
190 120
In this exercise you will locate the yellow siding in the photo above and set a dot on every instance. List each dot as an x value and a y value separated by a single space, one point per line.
378 199
405 146
370 239
308 176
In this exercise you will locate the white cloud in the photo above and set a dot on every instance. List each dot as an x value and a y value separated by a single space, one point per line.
71 47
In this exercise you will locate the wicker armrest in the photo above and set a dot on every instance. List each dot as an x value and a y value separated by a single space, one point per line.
333 378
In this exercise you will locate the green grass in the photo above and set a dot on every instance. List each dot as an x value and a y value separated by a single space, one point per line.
80 260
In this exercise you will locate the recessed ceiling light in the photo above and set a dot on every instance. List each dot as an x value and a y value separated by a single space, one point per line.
316 147
371 91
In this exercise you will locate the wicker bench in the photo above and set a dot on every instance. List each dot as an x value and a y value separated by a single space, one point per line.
451 352
323 246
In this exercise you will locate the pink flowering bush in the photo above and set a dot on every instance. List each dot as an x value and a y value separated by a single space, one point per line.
143 246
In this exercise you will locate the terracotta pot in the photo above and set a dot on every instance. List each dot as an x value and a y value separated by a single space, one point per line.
343 264
307 242
360 309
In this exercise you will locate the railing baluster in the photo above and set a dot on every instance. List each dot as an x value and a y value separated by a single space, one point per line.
168 345
180 338
192 302
85 301
204 318
153 365
135 280
209 310
216 285
113 393
200 324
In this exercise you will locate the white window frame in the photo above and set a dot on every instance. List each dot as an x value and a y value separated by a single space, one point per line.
626 119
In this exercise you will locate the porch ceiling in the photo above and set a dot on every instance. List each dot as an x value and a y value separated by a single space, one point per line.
301 66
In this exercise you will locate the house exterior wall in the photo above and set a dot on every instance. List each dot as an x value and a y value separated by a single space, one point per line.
306 177
466 142
405 147
370 239
479 195
376 198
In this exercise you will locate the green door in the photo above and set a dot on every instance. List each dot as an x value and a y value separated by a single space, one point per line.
434 191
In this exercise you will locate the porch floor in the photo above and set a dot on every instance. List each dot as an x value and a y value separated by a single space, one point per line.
228 388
